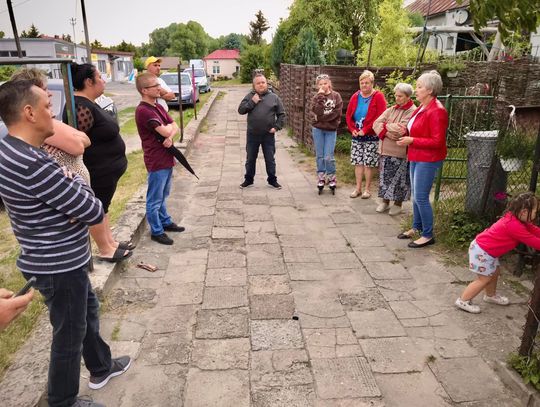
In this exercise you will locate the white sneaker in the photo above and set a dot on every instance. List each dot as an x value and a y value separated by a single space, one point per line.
467 306
383 207
497 299
394 210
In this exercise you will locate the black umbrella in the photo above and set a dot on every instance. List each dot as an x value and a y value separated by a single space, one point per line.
178 155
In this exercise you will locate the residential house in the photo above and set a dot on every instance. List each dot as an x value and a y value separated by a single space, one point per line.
223 62
446 13
169 63
115 65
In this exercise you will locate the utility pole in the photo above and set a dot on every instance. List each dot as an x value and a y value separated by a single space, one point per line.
88 47
73 21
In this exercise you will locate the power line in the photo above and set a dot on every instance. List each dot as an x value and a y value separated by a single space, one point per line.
15 5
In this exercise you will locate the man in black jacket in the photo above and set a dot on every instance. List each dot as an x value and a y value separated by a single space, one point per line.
265 116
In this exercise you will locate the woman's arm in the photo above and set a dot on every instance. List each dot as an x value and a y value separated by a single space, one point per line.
68 139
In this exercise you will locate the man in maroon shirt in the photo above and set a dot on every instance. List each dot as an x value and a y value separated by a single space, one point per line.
156 129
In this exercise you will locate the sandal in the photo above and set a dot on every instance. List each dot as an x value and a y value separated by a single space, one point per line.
127 245
366 195
118 256
406 235
145 266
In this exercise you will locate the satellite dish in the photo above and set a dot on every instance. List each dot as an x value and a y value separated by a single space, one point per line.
461 16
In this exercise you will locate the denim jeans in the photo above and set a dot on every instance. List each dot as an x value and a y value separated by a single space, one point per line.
268 143
74 316
325 143
159 187
422 176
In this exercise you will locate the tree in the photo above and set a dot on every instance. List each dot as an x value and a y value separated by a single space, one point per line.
233 41
67 37
96 44
307 50
2 34
257 28
277 50
189 41
514 16
253 57
126 47
33 32
160 40
392 44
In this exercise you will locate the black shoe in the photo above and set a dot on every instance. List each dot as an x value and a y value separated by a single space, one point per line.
173 227
163 239
246 184
413 245
118 366
274 184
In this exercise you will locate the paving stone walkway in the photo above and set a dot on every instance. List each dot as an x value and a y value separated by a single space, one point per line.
287 298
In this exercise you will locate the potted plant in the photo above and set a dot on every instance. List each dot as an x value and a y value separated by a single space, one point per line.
450 67
513 148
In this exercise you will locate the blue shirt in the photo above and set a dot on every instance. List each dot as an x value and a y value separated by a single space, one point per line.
360 114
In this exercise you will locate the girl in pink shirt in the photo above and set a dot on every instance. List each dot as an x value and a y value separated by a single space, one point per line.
515 227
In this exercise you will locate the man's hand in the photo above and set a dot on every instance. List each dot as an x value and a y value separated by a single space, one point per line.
11 307
168 142
272 130
256 98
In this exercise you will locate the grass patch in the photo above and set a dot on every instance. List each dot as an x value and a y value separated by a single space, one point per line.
221 95
115 334
228 82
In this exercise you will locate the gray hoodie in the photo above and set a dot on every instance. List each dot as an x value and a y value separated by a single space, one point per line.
268 113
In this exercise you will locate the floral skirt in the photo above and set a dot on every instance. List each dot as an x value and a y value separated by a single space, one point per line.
364 153
394 179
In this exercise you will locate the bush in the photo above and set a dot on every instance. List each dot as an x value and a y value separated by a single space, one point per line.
458 228
343 144
527 367
252 58
515 144
391 81
6 72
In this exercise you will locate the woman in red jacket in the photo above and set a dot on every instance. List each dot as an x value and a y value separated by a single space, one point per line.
364 108
426 141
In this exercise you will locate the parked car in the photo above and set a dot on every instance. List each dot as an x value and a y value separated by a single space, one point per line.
202 81
188 97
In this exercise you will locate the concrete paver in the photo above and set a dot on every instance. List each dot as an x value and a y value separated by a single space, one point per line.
373 321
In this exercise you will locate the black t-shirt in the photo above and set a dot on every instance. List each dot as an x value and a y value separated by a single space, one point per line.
105 158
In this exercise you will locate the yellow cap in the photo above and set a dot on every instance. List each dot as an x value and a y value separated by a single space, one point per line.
151 60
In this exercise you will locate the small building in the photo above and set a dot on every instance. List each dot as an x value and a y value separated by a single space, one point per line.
115 65
169 63
223 63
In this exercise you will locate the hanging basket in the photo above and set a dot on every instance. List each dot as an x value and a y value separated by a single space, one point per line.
511 164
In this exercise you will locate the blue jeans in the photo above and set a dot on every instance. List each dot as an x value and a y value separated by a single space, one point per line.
159 187
268 143
74 315
325 143
422 176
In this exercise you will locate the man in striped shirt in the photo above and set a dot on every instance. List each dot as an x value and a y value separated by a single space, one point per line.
50 211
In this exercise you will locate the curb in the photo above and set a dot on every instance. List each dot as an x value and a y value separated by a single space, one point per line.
527 394
25 381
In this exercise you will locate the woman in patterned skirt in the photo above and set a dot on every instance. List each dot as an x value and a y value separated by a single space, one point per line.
394 179
364 108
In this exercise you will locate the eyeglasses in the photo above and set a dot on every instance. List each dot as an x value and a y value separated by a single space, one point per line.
152 86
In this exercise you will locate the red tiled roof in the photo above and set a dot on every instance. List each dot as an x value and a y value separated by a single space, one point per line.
437 6
224 54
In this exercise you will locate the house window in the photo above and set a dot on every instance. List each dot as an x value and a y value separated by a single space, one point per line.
215 69
237 69
102 66
11 53
449 43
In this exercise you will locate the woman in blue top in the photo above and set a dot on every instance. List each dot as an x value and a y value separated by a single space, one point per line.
364 108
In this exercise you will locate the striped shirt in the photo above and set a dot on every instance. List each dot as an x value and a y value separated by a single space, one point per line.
49 212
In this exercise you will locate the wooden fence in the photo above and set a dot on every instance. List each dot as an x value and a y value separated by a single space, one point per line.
516 82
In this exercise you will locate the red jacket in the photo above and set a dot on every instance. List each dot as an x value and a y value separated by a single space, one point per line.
377 106
429 133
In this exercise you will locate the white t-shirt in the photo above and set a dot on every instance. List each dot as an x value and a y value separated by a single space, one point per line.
410 123
161 101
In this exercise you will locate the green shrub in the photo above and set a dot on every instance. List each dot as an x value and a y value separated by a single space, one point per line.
527 367
343 144
515 144
457 228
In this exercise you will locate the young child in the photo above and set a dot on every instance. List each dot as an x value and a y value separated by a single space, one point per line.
516 226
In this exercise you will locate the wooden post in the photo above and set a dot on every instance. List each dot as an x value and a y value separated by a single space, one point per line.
531 325
86 36
180 109
194 99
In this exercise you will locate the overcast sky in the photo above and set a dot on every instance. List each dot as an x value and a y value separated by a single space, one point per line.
111 21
